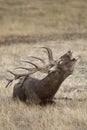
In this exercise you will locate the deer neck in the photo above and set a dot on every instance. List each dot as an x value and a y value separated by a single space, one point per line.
51 83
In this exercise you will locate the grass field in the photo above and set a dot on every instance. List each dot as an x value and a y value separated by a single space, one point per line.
60 25
39 18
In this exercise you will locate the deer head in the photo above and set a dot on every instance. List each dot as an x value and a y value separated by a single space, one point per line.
65 63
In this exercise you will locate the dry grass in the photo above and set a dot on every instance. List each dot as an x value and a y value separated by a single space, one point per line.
38 17
66 114
43 22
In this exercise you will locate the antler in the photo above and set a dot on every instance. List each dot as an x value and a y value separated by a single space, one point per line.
44 69
29 69
18 76
9 82
50 54
50 57
32 71
38 59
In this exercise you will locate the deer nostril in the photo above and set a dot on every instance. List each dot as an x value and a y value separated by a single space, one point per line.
73 59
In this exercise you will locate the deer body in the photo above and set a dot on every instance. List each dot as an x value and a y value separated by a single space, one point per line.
42 91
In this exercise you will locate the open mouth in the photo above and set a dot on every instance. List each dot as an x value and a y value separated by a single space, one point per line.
72 62
74 59
72 56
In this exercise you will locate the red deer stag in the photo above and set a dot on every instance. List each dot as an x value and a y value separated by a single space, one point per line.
42 91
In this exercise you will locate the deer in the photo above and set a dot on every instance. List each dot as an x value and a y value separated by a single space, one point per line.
42 91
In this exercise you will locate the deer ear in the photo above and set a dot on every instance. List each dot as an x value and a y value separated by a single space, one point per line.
53 69
59 62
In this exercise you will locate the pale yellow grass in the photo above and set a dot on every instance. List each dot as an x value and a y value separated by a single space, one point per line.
45 21
66 114
42 17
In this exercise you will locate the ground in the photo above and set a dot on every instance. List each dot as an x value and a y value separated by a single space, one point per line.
26 26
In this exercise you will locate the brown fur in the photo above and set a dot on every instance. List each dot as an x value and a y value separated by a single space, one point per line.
43 91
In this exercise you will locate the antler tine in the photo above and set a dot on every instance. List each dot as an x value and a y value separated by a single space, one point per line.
50 54
9 81
38 59
15 75
29 63
11 72
29 69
